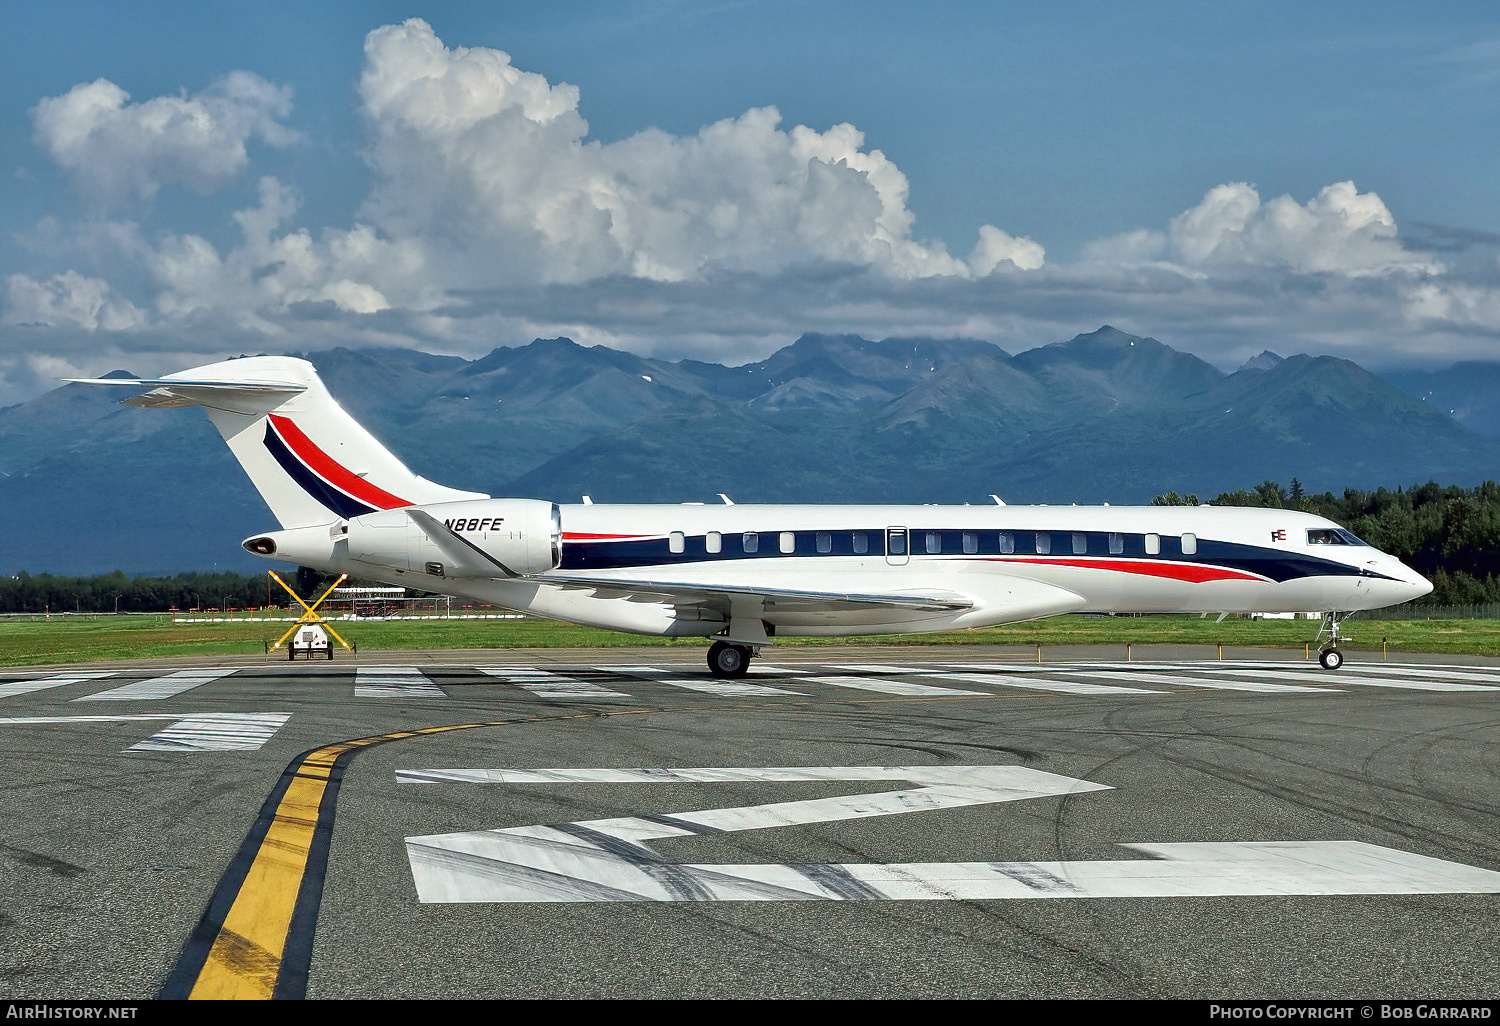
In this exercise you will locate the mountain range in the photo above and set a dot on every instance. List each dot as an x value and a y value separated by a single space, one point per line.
88 486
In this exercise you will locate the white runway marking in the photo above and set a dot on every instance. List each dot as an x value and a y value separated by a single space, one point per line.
887 687
154 689
1347 678
1200 682
1043 684
215 732
394 682
549 685
931 668
26 687
611 860
1014 781
1440 673
188 732
1054 667
677 679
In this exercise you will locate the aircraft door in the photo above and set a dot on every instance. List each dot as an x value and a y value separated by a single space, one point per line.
897 546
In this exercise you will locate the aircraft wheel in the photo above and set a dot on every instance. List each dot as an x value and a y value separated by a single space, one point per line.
726 660
1331 658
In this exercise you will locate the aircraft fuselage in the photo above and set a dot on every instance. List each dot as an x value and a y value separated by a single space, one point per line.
1011 562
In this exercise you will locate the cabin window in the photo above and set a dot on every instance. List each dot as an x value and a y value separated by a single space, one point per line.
1080 544
1153 544
896 542
788 541
751 542
971 543
1116 544
861 543
934 542
1007 543
825 542
713 541
1189 544
676 542
1043 543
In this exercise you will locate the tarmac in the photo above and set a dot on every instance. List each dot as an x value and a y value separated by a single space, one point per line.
845 822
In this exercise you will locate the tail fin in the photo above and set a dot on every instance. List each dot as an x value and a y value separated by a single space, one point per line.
311 461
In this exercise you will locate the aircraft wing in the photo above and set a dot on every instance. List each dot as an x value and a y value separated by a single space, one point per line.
790 600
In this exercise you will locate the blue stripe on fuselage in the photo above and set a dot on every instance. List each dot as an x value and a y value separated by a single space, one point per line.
1276 564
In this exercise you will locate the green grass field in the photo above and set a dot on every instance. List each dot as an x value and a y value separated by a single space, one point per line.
27 641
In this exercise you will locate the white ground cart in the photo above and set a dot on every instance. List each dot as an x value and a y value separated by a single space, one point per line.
310 640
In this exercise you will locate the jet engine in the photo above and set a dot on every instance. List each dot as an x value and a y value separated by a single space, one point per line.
469 538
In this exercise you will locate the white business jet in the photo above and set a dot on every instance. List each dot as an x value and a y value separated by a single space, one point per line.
745 574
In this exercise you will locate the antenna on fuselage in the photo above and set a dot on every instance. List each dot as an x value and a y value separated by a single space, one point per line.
998 501
727 500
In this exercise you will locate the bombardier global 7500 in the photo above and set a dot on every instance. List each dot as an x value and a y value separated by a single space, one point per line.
745 574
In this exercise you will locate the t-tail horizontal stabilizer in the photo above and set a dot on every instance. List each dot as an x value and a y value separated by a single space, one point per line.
174 393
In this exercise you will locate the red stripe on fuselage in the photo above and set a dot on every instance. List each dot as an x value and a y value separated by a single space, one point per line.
580 537
320 463
1193 573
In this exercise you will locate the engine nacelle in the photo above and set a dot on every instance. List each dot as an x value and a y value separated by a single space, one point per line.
522 536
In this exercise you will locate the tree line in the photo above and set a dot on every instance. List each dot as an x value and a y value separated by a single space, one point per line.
1448 534
117 593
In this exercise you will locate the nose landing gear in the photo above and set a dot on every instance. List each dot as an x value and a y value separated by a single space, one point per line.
1329 656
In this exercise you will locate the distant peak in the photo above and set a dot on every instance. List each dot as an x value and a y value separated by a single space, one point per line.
818 340
1108 335
1265 361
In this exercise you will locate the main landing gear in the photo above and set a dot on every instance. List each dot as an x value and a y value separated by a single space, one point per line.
1329 656
729 660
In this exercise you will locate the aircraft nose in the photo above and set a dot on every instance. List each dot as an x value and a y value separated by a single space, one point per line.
1418 584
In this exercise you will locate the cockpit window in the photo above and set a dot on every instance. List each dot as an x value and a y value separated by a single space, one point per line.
1332 536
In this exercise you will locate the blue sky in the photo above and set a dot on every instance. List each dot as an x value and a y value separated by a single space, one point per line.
286 177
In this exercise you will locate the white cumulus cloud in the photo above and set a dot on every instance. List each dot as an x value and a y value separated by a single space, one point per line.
492 217
495 161
117 150
1340 230
272 270
69 300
